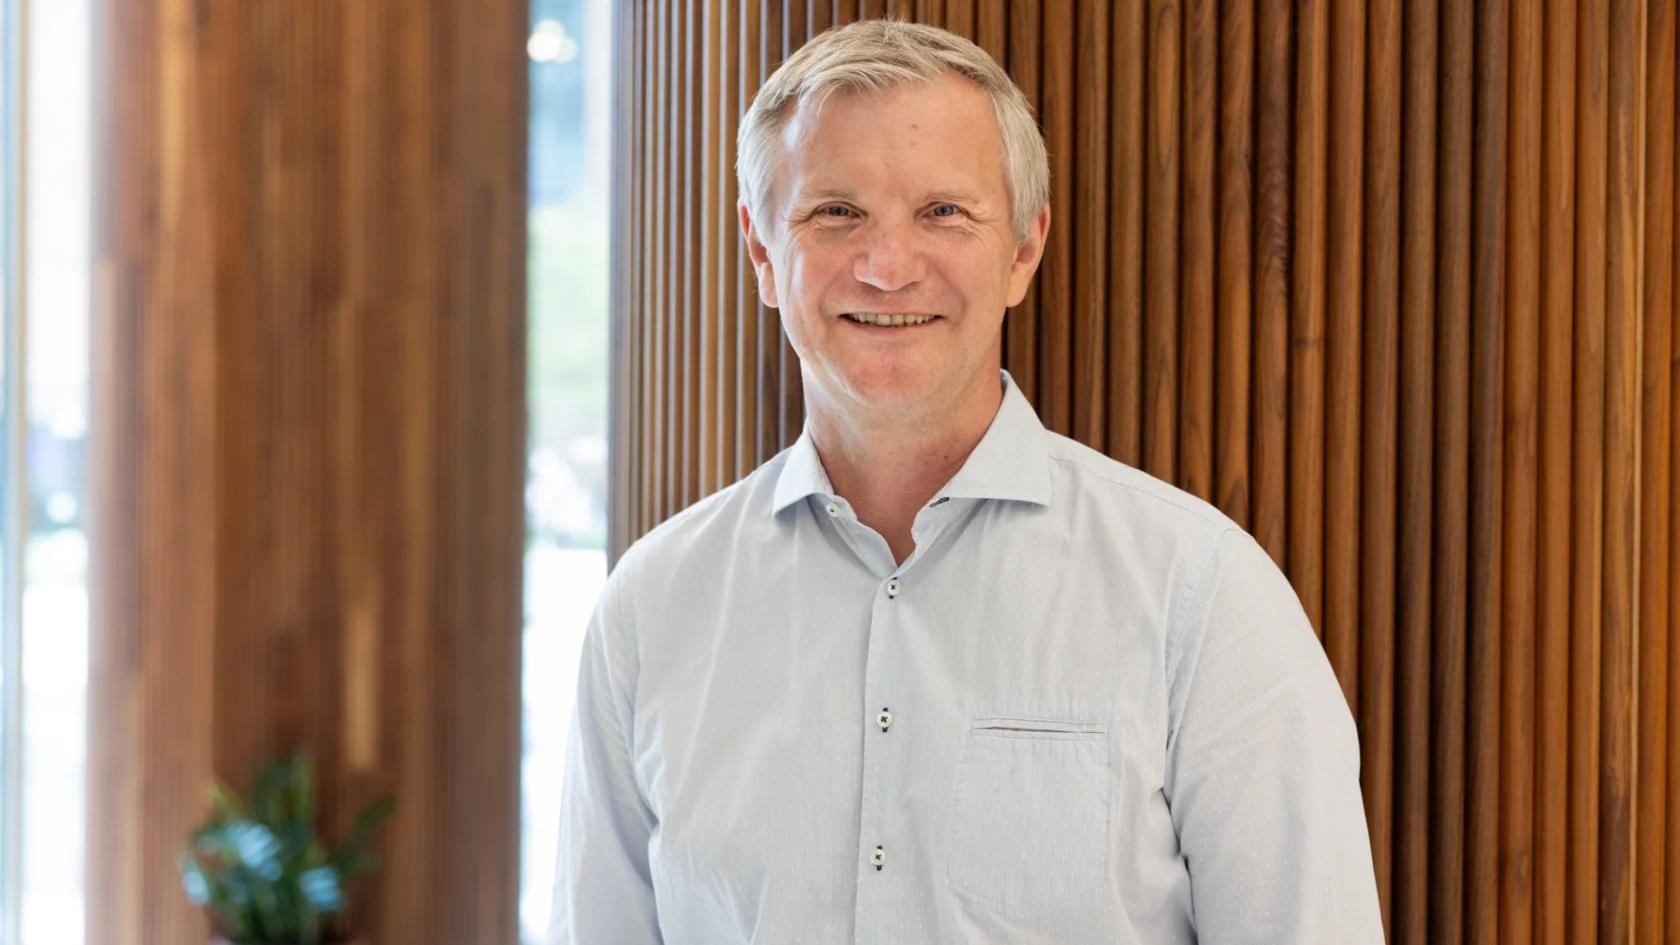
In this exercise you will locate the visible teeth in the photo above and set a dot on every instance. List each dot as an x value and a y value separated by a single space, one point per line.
888 321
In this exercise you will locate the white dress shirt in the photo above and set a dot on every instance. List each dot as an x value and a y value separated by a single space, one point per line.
1087 708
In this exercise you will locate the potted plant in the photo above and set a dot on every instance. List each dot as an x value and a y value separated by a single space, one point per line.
259 869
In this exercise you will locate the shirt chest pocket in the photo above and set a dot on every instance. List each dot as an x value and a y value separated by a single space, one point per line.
1029 826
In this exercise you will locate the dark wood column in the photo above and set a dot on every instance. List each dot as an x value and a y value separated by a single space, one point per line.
309 386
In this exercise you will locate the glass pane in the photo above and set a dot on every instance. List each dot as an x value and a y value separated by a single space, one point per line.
10 115
55 608
570 49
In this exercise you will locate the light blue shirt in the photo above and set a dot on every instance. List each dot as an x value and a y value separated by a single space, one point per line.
1087 708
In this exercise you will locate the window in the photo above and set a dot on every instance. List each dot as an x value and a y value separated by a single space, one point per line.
570 50
45 226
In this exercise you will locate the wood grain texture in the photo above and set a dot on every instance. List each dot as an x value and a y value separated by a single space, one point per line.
1415 500
1162 170
1554 526
1656 418
1486 462
1234 331
1125 267
1055 272
1306 315
1448 875
1270 415
1089 315
1344 257
1587 472
1379 431
310 334
1197 237
1521 478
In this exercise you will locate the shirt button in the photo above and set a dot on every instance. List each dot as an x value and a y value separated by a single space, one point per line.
833 509
884 719
879 858
892 587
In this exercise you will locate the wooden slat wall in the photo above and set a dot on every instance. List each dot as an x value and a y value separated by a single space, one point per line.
1389 282
309 387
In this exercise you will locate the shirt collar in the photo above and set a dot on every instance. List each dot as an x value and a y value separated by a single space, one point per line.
1012 461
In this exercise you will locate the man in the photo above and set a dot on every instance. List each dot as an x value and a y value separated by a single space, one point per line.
934 674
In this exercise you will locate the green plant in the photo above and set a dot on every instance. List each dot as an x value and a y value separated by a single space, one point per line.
260 870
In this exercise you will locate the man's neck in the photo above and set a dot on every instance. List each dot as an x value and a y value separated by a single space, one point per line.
889 467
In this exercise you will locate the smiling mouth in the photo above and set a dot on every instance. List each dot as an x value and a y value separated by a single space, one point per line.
888 321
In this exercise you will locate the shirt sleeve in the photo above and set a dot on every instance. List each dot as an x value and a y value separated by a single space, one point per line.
603 887
1262 771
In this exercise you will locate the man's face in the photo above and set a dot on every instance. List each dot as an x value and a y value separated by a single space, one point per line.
893 204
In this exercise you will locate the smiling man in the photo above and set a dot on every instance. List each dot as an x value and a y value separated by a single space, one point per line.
936 674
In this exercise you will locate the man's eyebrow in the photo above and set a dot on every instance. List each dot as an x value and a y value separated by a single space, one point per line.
952 196
816 196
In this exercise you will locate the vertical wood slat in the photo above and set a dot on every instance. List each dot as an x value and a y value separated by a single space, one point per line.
1296 268
1306 317
1197 236
1054 340
1486 463
1379 431
1587 473
1343 347
1159 435
1234 331
1452 474
1555 517
1656 390
1271 288
1126 257
1415 501
1089 314
1521 478
1020 326
1621 485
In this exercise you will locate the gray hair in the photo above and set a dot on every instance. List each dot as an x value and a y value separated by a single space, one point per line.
874 55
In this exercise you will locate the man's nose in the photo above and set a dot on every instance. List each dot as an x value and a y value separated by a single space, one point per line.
889 259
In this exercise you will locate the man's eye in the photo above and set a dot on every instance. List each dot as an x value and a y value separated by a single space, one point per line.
836 211
946 210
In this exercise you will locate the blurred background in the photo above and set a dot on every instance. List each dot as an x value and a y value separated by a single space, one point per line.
48 112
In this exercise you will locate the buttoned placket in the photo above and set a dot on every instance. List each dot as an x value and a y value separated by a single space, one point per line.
884 746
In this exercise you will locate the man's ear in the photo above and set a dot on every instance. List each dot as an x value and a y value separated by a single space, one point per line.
1027 257
760 257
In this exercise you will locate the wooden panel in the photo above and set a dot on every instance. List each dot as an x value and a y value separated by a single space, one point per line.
1415 502
1125 269
1162 105
1587 473
1555 513
1343 351
1486 462
1448 875
1306 317
1196 277
1388 282
1234 331
1379 370
1520 481
310 404
1089 314
1655 393
1270 415
1055 272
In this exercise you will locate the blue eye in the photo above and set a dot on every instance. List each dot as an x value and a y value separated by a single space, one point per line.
836 211
938 211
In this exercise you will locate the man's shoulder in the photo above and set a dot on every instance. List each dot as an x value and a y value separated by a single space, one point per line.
709 525
1140 497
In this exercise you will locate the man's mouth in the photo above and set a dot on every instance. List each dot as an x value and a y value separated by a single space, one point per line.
888 321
